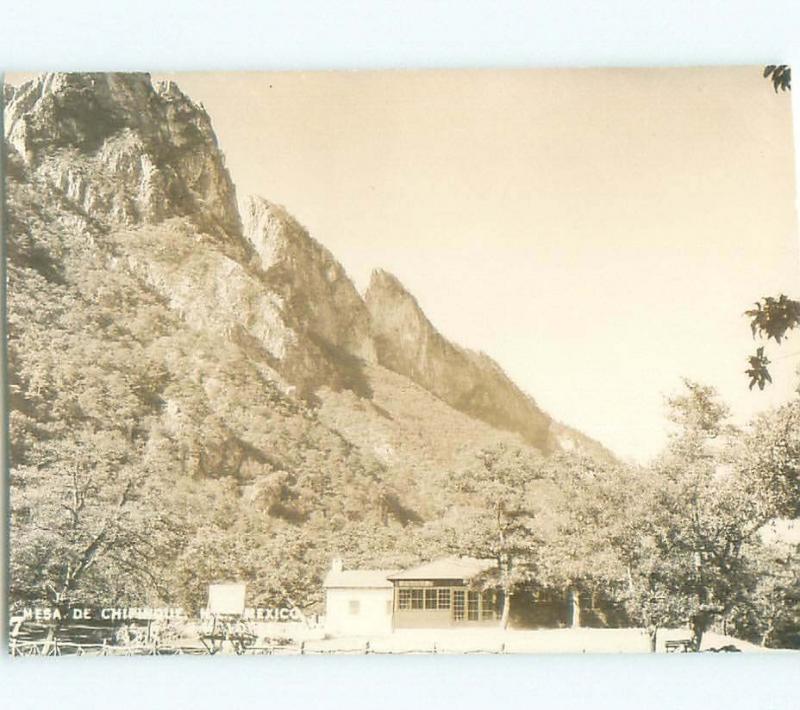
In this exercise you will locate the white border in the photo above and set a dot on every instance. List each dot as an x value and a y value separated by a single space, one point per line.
202 35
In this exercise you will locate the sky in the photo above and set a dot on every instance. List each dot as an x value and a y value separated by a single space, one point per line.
599 233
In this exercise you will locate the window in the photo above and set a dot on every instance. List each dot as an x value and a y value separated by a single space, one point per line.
444 598
458 605
489 606
404 599
416 598
431 599
355 606
473 601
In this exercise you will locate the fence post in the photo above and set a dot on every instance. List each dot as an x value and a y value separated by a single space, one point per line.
302 648
503 647
366 648
434 647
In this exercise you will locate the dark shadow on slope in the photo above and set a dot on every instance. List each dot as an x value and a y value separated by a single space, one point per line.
391 505
347 370
381 411
252 347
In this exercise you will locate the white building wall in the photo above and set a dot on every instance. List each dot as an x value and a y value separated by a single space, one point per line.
358 612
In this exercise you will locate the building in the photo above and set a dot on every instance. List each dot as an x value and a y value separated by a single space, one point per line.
434 595
442 594
358 601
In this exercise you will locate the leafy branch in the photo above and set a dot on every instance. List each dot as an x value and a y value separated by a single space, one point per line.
781 76
771 318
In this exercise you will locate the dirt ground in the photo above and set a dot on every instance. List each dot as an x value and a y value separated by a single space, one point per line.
407 641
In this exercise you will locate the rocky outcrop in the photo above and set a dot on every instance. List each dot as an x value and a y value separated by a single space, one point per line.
141 161
8 93
124 151
319 299
407 343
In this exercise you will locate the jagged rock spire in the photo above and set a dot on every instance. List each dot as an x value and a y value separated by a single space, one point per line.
319 298
407 342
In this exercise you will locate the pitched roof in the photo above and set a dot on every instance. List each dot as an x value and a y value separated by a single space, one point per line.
359 579
447 568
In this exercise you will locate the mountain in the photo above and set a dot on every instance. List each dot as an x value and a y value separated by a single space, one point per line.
207 381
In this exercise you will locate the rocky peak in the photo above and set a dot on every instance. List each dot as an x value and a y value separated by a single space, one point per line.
122 150
319 299
399 323
407 343
8 93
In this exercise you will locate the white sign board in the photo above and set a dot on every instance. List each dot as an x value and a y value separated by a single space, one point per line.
226 598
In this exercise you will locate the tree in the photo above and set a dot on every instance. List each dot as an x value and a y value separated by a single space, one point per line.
780 75
771 615
494 518
615 529
584 530
768 463
690 567
89 524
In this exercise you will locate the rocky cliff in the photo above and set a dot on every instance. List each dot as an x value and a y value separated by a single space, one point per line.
141 162
471 382
318 298
123 150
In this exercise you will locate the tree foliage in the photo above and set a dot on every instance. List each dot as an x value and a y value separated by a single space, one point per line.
768 463
772 318
780 75
770 616
495 517
687 526
585 529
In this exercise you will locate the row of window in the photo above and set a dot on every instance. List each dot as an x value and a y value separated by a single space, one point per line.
444 598
423 598
474 606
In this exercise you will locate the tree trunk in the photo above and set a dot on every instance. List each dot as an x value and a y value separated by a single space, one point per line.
698 628
652 632
575 608
766 638
506 610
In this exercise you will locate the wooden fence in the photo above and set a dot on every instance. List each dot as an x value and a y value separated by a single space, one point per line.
56 647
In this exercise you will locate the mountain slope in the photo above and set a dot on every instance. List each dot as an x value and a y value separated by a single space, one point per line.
213 389
144 351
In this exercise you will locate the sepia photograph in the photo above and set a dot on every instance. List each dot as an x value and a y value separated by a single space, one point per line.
498 361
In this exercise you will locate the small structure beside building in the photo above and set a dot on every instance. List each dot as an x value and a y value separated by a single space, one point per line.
358 602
